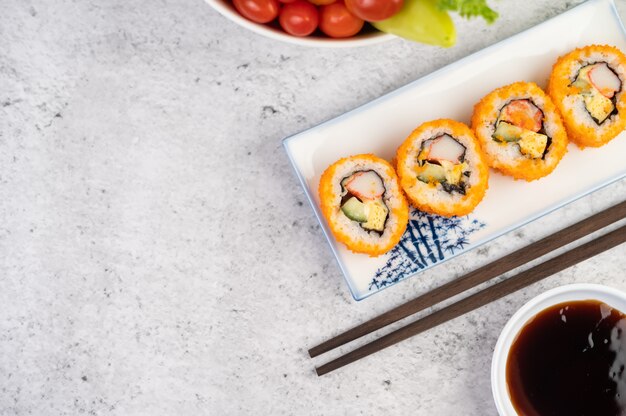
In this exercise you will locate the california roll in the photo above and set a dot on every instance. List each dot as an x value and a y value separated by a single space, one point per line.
363 204
442 169
520 131
587 85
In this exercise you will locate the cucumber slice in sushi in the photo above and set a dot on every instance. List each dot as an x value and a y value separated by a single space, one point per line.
506 132
432 173
355 210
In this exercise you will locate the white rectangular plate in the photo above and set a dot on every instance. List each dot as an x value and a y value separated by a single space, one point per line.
451 92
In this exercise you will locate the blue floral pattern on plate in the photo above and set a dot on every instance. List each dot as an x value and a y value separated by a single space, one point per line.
426 241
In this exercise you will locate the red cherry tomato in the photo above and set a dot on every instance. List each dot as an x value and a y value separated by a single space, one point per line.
337 21
374 10
260 11
286 1
299 18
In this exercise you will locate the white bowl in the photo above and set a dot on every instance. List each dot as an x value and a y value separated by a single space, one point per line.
612 297
226 9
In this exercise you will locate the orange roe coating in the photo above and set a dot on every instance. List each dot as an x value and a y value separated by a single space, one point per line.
398 206
419 193
486 113
559 88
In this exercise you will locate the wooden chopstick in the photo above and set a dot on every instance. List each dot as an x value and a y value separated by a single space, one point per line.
492 293
478 276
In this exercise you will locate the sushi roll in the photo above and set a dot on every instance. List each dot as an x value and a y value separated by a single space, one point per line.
587 87
520 131
363 204
442 169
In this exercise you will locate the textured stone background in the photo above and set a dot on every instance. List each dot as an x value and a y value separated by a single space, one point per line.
157 255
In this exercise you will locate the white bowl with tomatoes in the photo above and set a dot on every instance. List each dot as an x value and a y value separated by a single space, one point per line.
331 23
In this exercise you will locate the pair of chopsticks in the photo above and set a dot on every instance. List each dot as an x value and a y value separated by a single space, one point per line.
476 277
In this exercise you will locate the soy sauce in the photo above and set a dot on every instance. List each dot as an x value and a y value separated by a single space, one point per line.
569 360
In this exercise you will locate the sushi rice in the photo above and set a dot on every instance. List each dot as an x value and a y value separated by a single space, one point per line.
366 188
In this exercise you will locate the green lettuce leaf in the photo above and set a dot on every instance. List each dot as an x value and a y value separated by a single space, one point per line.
470 8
